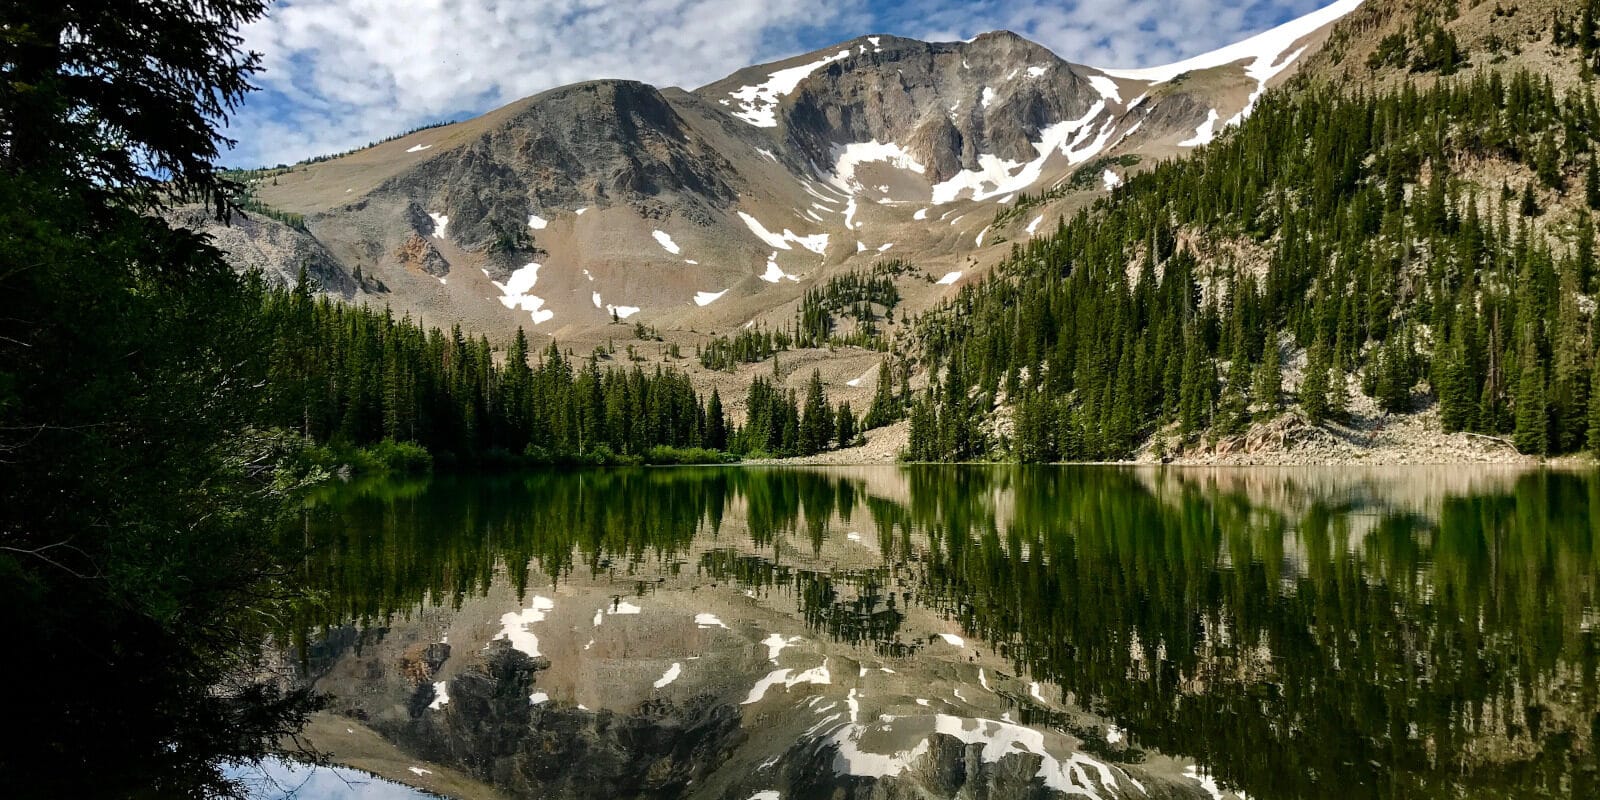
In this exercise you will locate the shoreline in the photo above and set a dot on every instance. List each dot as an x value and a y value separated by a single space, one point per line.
1368 439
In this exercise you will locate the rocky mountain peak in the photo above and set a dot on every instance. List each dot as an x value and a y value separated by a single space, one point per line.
719 207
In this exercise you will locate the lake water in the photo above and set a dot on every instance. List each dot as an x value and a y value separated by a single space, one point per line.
1004 632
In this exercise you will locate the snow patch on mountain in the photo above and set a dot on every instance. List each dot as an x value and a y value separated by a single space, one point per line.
847 157
775 273
1262 71
670 675
996 177
1205 133
440 222
514 293
665 240
758 104
707 298
816 243
1083 148
1076 773
514 625
417 148
540 314
1266 47
622 312
537 222
1106 87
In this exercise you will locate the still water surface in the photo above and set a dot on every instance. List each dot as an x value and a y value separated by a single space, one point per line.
998 632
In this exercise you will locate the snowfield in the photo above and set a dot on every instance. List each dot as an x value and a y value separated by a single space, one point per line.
514 293
1268 46
1205 133
665 240
816 243
758 104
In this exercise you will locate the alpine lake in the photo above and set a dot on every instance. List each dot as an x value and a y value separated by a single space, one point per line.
891 632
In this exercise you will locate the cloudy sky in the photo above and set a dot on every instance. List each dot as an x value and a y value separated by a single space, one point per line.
342 73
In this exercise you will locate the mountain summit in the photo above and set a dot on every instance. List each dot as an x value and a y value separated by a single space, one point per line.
719 207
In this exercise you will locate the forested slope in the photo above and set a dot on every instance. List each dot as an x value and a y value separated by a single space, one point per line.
1425 240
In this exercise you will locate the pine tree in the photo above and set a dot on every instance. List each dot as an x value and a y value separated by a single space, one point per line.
1568 393
1338 394
1594 407
1529 206
716 436
1532 434
1458 400
1394 377
816 420
1268 383
886 407
922 442
845 425
1198 387
1314 384
1591 184
1233 412
1035 429
1547 161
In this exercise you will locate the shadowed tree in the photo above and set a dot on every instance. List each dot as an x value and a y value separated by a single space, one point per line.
133 499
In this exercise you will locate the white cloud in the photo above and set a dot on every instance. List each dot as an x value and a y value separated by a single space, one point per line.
1116 33
342 73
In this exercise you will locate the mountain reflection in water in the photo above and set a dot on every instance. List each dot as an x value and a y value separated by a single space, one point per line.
959 631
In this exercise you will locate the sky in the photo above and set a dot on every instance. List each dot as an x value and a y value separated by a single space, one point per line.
283 780
340 74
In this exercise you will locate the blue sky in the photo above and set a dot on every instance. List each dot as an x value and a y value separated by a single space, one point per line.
342 73
284 780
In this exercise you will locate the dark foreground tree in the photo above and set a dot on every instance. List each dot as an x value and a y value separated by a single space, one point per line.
132 496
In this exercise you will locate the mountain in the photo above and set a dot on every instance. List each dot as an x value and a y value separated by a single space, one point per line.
1392 256
1392 260
717 208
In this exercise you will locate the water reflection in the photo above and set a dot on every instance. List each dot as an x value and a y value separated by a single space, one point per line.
282 780
1101 631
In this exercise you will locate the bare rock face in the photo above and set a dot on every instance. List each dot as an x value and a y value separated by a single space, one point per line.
254 242
591 143
418 254
493 733
951 101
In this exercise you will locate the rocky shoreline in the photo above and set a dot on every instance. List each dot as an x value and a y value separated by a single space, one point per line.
1370 437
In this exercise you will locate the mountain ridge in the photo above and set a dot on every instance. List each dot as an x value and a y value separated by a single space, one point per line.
767 181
